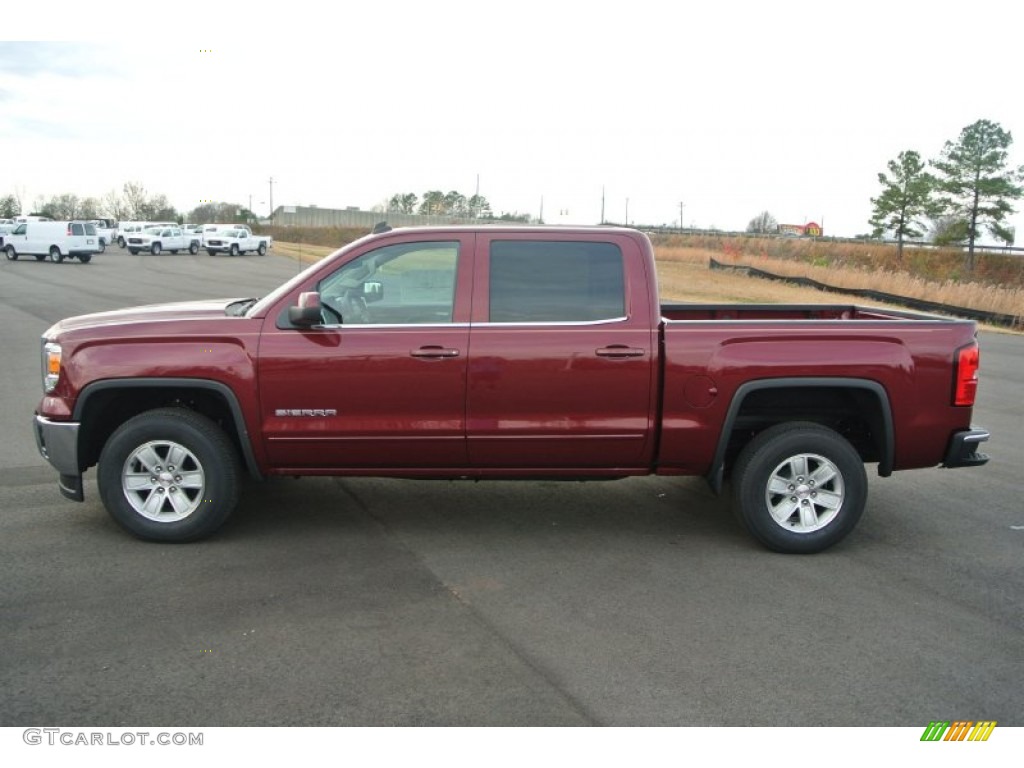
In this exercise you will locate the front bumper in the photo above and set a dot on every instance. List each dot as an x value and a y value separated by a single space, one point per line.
57 442
963 449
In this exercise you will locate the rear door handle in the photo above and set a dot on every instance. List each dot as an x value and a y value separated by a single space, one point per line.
620 350
434 353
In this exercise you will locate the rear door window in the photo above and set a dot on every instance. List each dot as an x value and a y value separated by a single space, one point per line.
555 281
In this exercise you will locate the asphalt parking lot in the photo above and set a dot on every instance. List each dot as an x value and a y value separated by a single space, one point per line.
386 602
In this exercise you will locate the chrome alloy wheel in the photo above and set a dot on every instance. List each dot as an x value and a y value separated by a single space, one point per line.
163 481
804 493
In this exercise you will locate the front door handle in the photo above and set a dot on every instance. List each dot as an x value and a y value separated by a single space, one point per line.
620 350
434 353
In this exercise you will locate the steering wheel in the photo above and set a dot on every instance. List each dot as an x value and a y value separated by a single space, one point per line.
353 308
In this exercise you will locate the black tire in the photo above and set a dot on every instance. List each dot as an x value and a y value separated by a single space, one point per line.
55 255
103 246
193 248
808 471
262 250
133 251
40 256
174 251
85 258
234 249
209 252
139 486
155 249
120 242
12 255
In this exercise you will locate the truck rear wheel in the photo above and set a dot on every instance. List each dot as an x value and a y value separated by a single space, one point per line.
193 248
799 487
85 258
262 250
169 474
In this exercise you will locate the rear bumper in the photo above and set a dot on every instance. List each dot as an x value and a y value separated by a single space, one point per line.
963 449
57 442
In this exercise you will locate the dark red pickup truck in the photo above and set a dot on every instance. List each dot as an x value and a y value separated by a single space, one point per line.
502 352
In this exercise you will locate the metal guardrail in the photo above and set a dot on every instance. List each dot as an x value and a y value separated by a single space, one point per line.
993 318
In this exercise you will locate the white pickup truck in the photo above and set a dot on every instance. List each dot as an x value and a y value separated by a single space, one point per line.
236 240
157 239
106 231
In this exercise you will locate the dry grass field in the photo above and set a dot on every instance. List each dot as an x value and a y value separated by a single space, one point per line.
684 274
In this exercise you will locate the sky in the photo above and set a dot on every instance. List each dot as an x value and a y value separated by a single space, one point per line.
716 111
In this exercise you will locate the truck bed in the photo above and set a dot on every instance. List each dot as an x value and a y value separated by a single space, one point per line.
684 312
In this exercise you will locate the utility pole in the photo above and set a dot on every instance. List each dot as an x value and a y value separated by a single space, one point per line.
271 198
627 211
542 209
602 204
681 206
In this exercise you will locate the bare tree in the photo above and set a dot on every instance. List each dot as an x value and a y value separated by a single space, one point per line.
113 206
135 202
763 224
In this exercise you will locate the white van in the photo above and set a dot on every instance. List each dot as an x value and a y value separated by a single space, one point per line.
56 239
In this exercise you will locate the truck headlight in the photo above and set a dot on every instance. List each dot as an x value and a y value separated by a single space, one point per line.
51 365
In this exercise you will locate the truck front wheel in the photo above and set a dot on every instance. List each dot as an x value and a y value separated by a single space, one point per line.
799 487
169 474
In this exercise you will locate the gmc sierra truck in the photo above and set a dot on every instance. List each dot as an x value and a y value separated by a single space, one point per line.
502 352
236 240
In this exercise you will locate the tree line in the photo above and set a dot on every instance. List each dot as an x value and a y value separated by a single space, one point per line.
455 204
131 203
437 203
971 191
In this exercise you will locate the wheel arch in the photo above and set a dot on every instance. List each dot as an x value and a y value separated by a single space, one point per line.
104 405
859 403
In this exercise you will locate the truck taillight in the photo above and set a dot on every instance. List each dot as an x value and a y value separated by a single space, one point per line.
51 366
966 374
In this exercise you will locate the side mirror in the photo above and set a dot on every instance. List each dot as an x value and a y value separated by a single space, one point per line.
307 313
373 291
